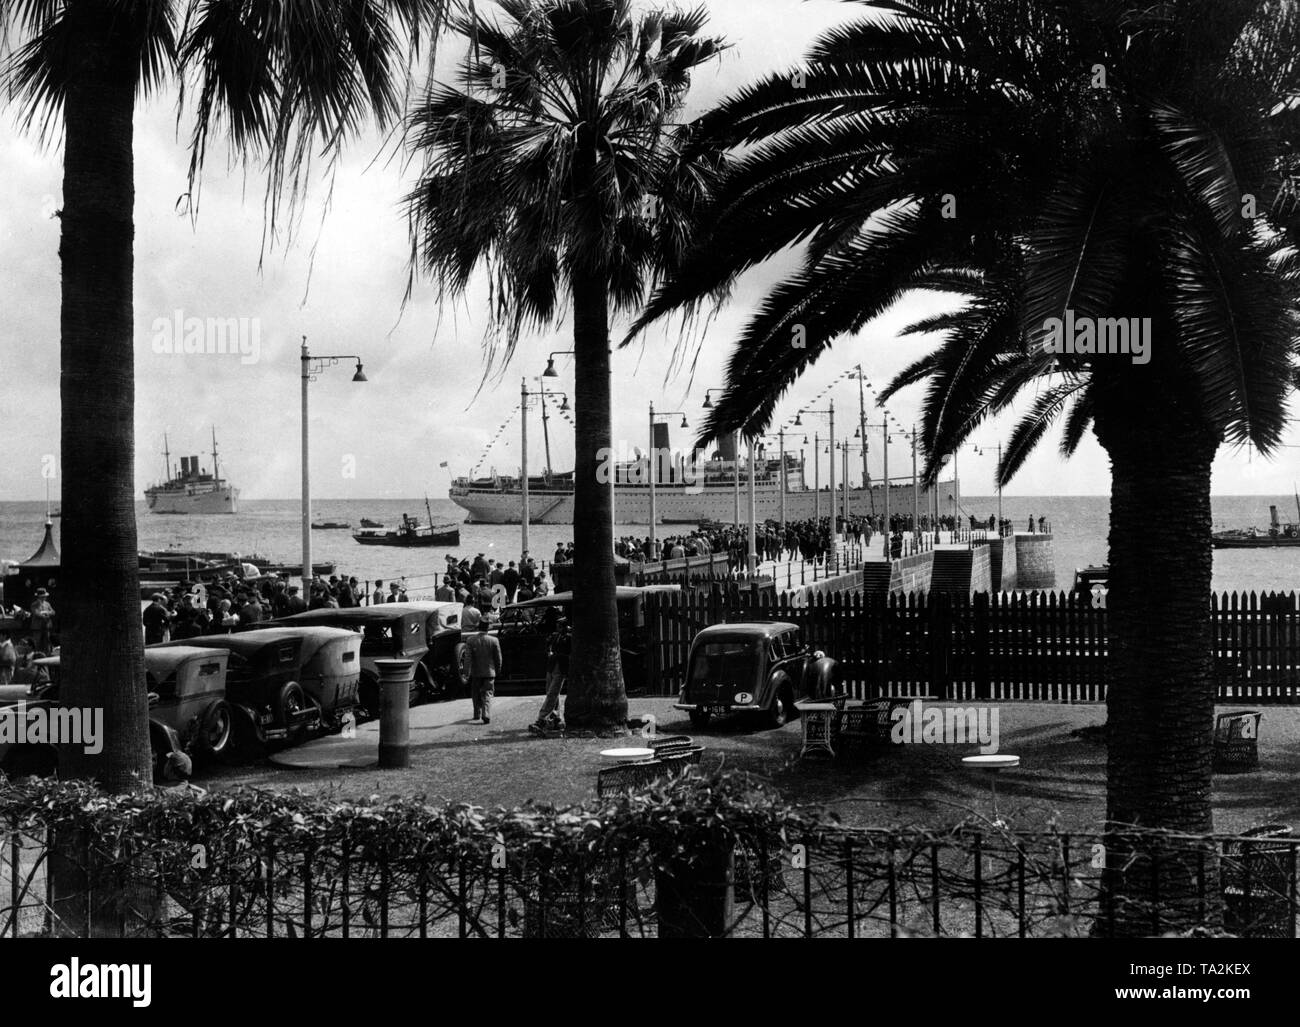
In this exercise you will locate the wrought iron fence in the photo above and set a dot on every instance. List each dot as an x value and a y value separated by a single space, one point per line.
366 881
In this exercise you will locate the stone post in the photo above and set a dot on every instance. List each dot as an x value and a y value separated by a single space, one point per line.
395 712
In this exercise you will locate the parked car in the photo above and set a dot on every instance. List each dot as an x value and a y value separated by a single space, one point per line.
188 709
24 759
425 631
289 679
753 668
522 635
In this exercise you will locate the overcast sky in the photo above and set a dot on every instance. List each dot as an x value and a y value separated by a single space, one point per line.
420 406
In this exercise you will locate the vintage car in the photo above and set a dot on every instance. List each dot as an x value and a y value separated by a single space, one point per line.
188 711
753 668
424 631
522 633
289 679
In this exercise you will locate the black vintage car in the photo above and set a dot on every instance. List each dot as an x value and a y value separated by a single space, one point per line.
425 631
522 633
756 668
285 681
188 709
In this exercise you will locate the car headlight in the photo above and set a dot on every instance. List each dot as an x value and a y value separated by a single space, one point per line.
743 698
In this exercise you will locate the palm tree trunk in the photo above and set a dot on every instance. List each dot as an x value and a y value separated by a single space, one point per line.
99 594
1160 702
597 700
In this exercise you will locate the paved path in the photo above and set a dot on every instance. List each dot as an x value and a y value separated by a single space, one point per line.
428 721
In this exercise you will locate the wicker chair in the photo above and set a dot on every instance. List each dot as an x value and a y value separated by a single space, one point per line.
669 742
1236 742
1257 885
630 777
863 725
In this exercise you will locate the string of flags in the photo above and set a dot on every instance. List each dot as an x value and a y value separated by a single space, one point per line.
493 441
895 425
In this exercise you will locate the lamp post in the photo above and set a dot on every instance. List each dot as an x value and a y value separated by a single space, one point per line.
780 437
312 366
525 513
654 462
798 421
735 451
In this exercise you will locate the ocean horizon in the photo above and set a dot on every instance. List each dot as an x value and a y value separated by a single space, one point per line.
271 528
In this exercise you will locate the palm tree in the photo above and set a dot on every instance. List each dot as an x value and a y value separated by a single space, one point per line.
555 163
1036 158
281 77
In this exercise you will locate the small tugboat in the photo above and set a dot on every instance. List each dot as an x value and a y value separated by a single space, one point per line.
411 533
1278 534
366 522
330 525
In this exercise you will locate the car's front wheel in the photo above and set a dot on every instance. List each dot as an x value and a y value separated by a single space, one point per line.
216 729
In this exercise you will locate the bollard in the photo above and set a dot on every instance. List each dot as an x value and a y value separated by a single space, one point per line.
395 712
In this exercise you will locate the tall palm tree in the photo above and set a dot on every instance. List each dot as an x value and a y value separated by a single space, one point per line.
1107 159
555 164
281 77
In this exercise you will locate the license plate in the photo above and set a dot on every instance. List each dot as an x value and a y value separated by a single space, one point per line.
719 711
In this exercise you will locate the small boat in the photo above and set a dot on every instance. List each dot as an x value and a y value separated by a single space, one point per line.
1278 534
366 522
329 525
412 533
293 570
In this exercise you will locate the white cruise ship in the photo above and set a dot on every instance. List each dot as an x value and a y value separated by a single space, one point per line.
191 489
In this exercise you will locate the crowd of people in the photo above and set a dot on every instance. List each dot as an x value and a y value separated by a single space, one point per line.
488 584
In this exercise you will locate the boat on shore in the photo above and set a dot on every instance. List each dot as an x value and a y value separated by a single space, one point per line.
366 522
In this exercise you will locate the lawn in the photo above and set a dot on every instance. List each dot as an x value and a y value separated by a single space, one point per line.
1061 779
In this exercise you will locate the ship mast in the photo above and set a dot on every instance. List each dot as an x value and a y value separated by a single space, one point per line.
167 460
862 427
216 478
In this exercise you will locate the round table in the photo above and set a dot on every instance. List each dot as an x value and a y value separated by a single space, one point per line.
627 755
992 764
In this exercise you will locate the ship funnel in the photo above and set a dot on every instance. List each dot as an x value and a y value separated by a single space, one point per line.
1272 517
660 453
194 465
185 467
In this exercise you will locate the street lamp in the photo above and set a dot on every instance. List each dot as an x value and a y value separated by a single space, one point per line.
735 448
550 371
311 367
654 462
525 512
798 422
780 437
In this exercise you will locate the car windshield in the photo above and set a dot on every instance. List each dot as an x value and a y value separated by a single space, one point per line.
731 662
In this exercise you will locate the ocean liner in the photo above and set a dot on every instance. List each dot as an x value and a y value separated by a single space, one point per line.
192 490
685 495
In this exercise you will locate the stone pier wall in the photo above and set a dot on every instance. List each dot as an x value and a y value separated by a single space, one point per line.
1035 561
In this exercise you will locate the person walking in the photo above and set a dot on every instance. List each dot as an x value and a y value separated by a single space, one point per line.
558 646
484 663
